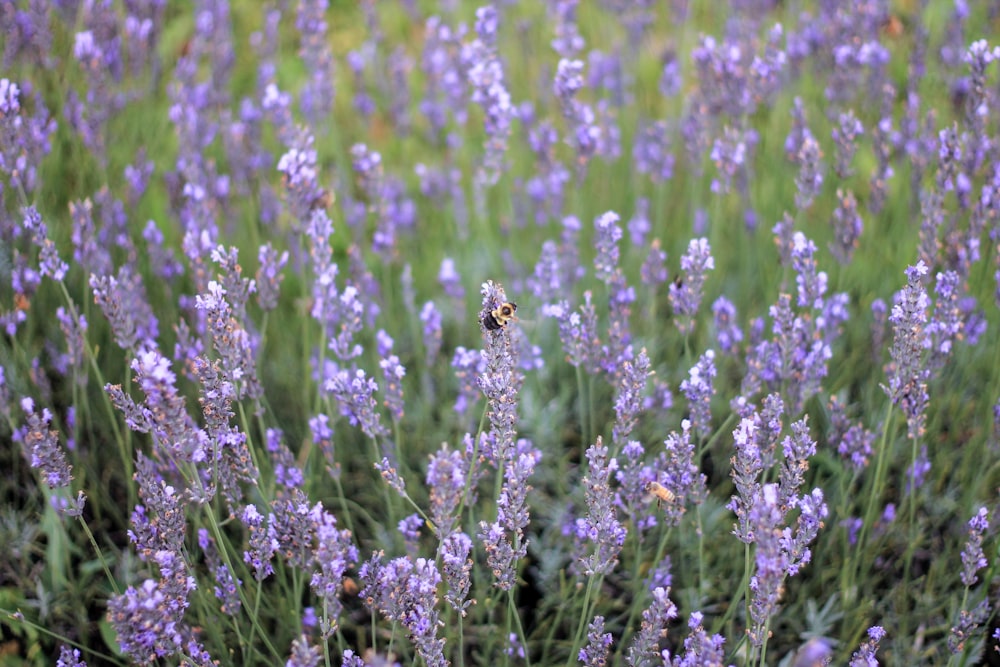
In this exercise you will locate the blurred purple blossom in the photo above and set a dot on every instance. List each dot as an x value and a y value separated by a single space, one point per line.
70 658
578 332
607 235
468 365
314 48
728 334
486 76
302 654
685 298
445 89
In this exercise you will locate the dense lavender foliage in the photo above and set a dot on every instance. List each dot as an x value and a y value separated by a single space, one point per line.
447 333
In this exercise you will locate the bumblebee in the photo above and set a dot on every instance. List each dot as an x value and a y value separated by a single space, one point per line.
662 493
499 316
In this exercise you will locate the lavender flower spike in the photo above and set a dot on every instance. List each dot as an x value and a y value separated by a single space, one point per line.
908 374
685 296
601 526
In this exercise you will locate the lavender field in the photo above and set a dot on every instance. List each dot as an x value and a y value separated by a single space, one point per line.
430 333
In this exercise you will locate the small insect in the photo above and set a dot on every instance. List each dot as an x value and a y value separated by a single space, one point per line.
500 316
662 493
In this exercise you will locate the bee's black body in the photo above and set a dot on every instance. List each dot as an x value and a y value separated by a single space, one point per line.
498 317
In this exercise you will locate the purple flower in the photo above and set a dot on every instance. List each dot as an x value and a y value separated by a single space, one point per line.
681 474
628 396
468 365
302 654
41 448
546 281
607 235
967 626
269 276
70 657
809 181
445 88
450 280
147 622
447 475
163 412
392 373
409 528
765 519
49 262
854 442
501 380
504 540
655 619
300 177
335 553
845 136
456 565
227 590
700 649
263 543
568 41
729 154
847 227
639 225
652 152
578 332
973 558
162 258
124 303
653 271
685 296
598 648
294 528
24 140
430 317
486 76
601 526
583 133
699 389
865 655
405 592
322 435
356 394
728 334
224 310
797 449
747 467
908 372
318 90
